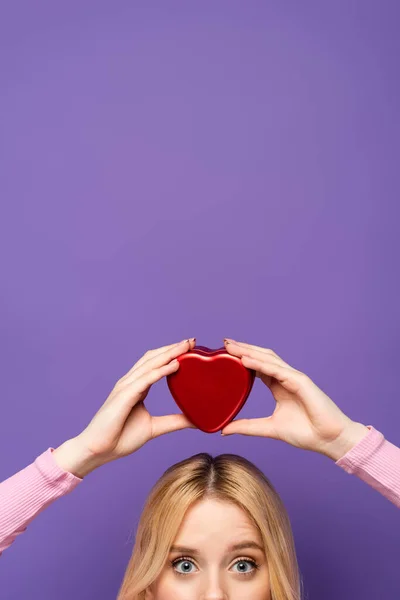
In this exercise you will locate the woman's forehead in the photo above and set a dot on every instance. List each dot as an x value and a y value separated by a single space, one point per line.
217 522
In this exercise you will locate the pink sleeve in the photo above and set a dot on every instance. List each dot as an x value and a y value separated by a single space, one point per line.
377 462
24 495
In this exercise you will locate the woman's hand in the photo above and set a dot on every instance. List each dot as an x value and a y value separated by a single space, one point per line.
304 415
123 424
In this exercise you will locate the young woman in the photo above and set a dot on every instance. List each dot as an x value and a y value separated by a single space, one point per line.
212 528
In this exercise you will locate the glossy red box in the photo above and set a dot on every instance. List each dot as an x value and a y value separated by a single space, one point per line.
210 387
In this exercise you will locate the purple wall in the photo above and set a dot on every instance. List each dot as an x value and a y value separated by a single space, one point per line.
208 169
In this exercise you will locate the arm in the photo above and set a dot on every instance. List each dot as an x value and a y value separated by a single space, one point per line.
27 493
119 428
307 418
376 461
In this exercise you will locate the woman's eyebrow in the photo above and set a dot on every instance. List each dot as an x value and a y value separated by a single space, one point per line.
184 550
246 544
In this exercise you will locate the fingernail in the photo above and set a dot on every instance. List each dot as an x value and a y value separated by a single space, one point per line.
193 339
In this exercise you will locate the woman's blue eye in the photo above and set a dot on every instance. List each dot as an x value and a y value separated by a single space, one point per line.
183 566
243 566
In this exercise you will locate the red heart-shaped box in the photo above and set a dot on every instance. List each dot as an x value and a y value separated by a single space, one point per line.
210 387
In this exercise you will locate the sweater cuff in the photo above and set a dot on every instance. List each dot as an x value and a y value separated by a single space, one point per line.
55 477
361 453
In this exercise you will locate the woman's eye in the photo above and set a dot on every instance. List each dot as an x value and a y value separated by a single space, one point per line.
184 566
244 566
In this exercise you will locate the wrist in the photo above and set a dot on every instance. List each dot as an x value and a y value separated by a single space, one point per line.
351 435
72 456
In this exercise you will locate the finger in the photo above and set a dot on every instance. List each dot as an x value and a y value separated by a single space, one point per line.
148 378
129 395
169 423
288 377
263 354
159 360
263 427
154 353
229 341
151 353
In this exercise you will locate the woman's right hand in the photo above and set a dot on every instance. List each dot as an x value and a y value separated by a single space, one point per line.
123 424
304 415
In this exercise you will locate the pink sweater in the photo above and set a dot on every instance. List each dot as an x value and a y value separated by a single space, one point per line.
24 495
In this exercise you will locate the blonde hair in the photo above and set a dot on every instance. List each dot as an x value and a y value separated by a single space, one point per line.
226 477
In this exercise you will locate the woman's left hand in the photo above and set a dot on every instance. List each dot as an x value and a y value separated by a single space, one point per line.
304 415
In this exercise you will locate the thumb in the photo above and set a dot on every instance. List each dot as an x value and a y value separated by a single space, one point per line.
169 423
263 427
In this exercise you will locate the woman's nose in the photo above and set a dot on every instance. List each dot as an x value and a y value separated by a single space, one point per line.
214 589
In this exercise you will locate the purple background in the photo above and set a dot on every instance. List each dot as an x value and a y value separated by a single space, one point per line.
209 169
